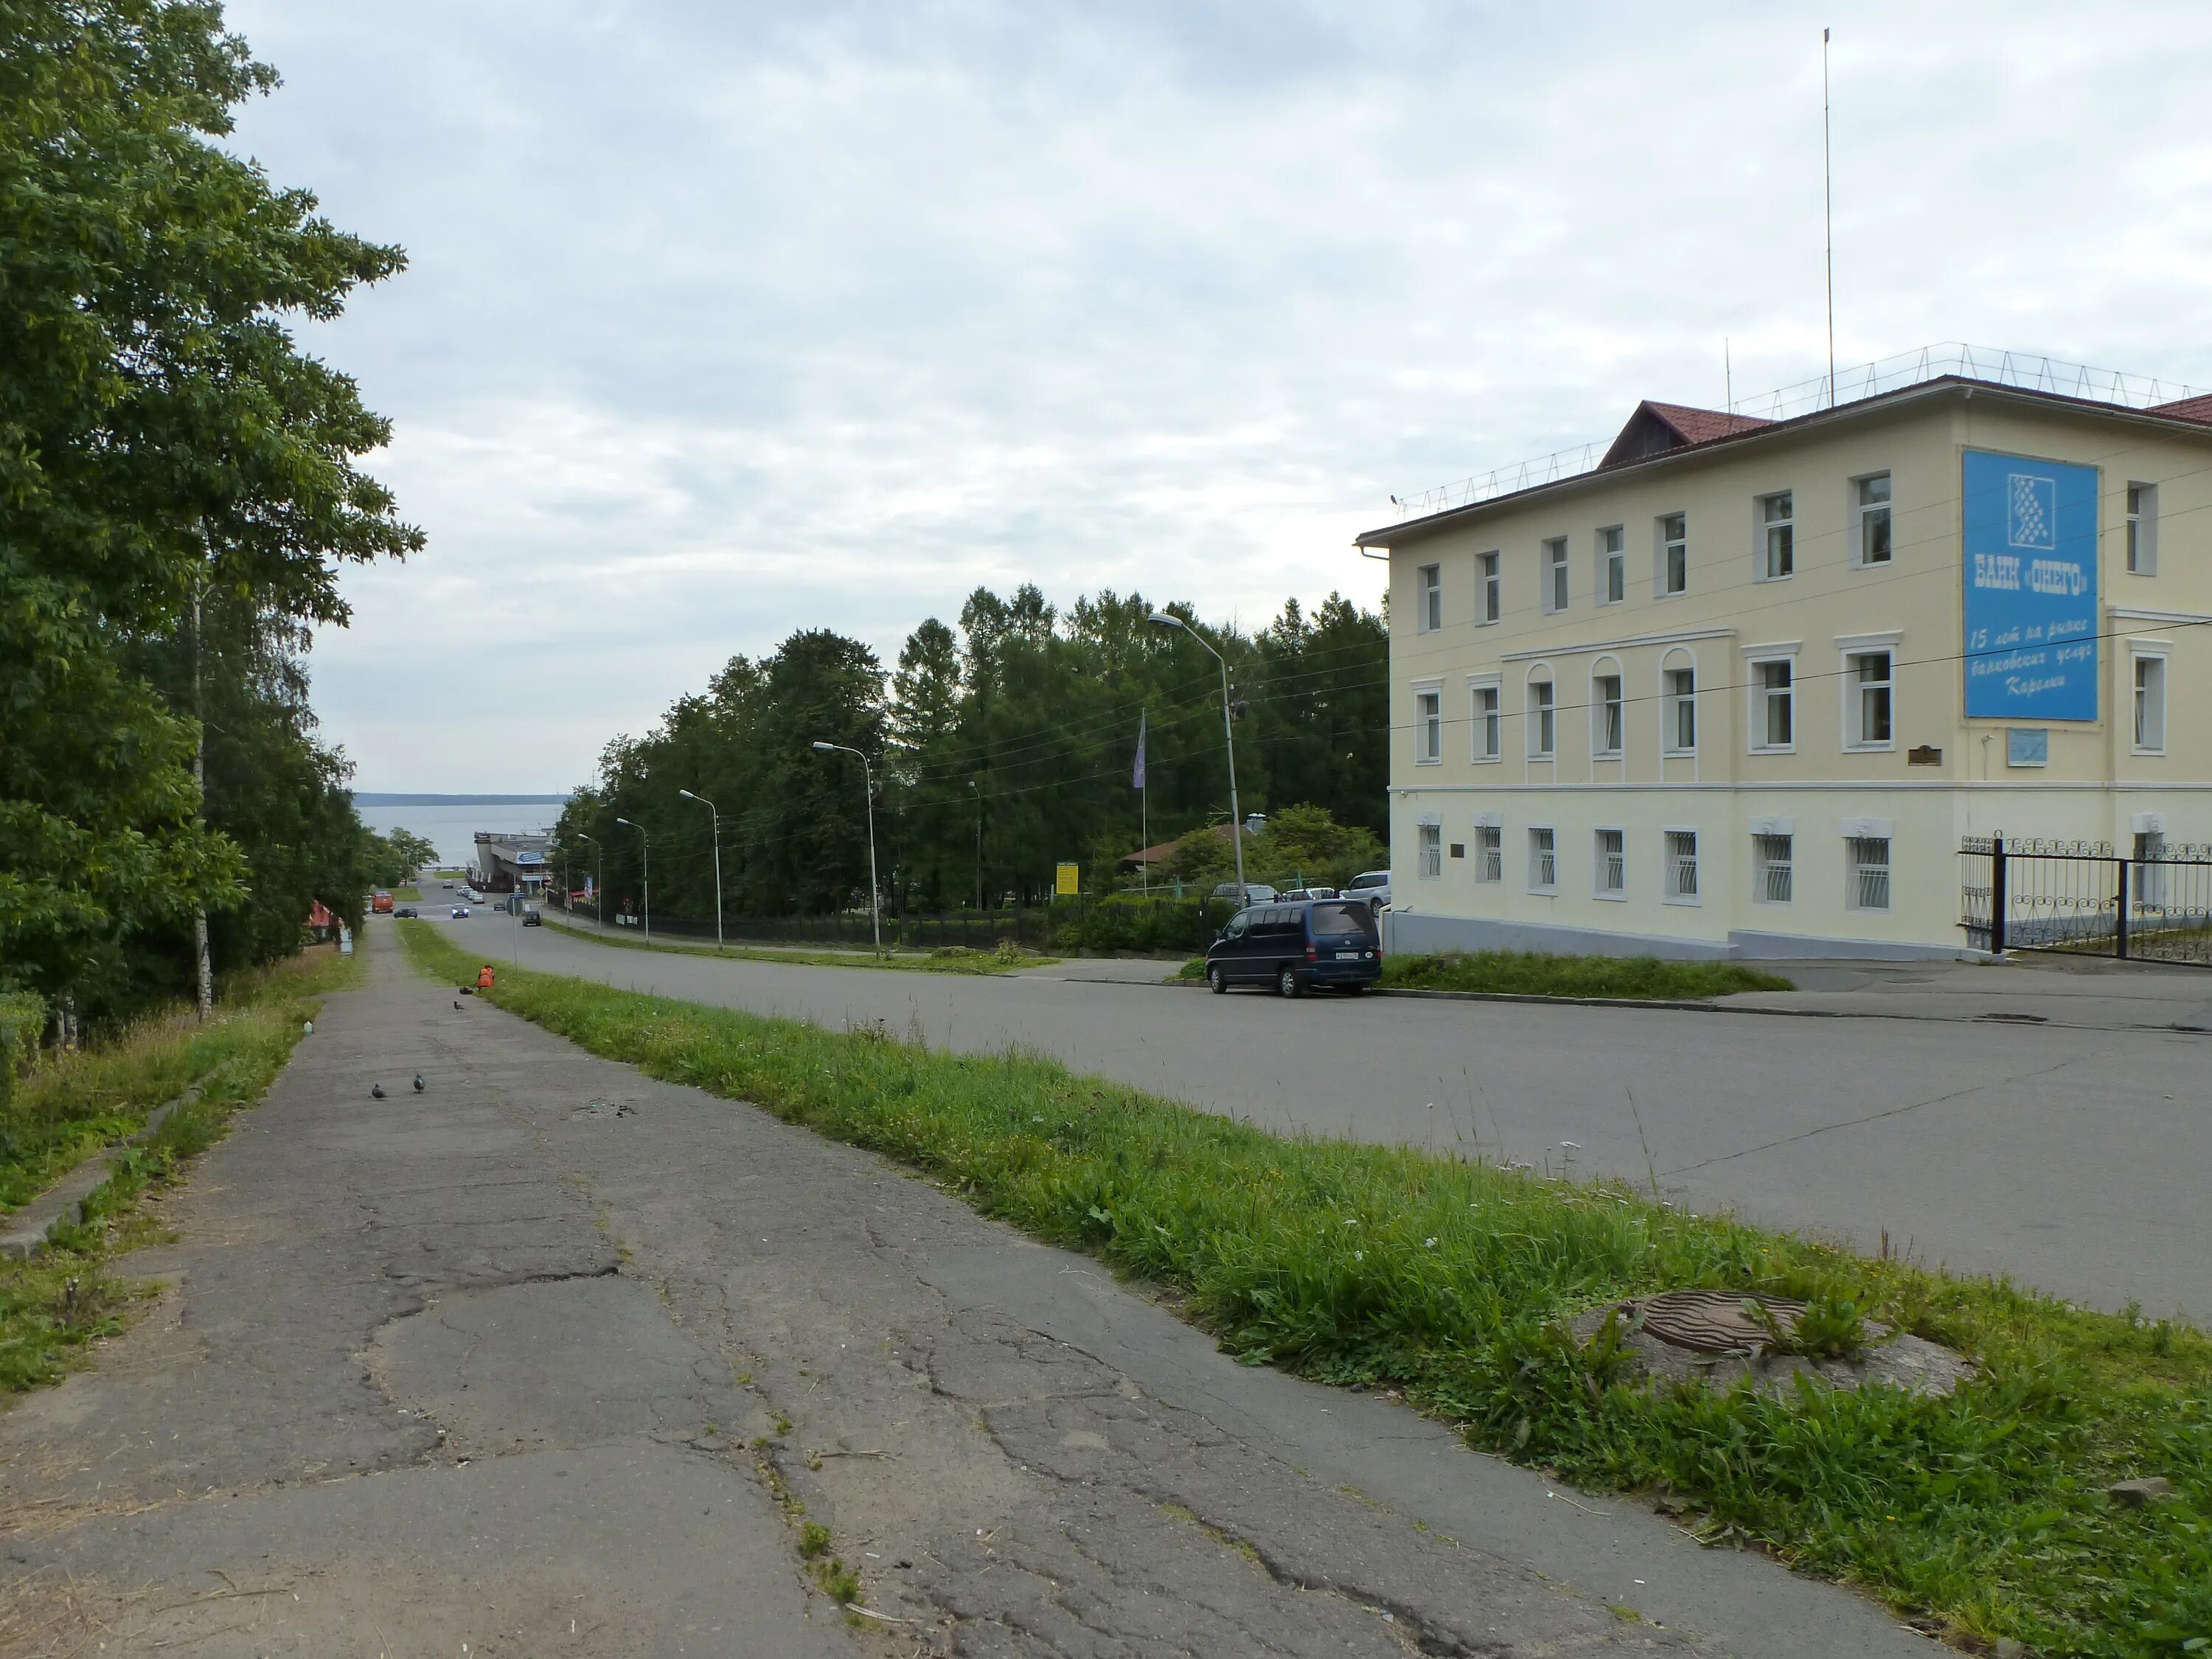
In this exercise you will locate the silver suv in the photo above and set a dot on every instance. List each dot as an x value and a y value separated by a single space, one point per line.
1372 887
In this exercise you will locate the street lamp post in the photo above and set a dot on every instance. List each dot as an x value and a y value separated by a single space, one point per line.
647 840
1161 619
598 881
868 784
978 788
714 818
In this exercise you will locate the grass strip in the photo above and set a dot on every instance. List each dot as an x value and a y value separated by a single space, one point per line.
52 1306
1529 973
945 959
1450 1278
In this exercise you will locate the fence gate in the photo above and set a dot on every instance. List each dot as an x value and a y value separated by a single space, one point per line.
2153 903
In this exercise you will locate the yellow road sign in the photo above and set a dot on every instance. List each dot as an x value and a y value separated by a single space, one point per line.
1069 885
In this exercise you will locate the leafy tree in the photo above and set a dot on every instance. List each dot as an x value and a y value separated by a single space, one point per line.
162 445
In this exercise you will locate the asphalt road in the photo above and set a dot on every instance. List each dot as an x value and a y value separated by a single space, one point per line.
2072 1160
540 1360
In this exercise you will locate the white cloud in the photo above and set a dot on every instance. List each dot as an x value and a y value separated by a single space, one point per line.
728 320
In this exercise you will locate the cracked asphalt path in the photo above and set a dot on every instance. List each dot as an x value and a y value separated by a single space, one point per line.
542 1361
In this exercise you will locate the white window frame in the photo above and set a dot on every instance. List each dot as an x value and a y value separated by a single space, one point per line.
1762 533
1670 857
1756 656
1429 598
1763 834
1552 567
1670 701
1602 858
1663 564
1490 850
1612 565
1429 849
1543 841
2142 530
1599 709
1850 702
1486 741
1863 512
1860 837
2142 652
1428 722
1540 722
1490 584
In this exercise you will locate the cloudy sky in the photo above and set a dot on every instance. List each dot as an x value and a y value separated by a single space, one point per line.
726 318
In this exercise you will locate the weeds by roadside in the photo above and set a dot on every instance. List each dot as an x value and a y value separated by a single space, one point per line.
1453 1279
59 1301
1528 973
943 959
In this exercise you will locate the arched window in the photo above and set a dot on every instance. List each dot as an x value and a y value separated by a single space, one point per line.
1677 702
1609 710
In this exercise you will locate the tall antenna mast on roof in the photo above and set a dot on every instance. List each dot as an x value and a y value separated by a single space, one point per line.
1728 373
1828 214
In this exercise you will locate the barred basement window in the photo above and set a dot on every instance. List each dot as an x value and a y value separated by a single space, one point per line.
1489 853
1772 854
1611 863
1868 885
1682 864
1543 860
1432 849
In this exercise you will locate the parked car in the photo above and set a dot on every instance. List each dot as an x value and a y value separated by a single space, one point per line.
1372 887
1253 892
1330 943
1298 894
531 919
447 885
404 910
460 913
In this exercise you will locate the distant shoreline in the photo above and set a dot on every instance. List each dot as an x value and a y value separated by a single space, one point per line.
367 797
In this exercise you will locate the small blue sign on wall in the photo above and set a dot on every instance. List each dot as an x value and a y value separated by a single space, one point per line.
2031 594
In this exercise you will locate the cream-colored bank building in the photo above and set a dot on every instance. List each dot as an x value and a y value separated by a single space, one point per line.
1742 687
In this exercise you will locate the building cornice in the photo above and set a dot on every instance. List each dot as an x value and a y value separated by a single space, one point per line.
1679 636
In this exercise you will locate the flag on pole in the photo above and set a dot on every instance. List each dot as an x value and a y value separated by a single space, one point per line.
1137 778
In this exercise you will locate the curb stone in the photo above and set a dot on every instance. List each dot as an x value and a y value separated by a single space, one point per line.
36 1222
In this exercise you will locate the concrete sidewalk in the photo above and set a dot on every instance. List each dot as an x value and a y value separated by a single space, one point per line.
2082 992
526 1361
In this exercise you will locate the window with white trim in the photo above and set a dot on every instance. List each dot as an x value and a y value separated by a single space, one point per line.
1866 699
1543 860
1431 613
1612 565
1432 843
1555 575
1492 598
1680 712
1489 735
1672 575
1870 519
2150 704
1777 535
1867 872
2142 530
1542 718
1773 869
1613 864
1608 716
1774 703
1428 728
1682 866
1489 853
2149 871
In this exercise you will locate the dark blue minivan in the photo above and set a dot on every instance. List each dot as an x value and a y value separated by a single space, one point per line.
1292 946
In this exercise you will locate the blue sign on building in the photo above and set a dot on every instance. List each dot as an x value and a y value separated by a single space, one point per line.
2031 574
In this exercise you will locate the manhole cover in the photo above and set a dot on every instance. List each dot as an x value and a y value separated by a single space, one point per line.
1713 1322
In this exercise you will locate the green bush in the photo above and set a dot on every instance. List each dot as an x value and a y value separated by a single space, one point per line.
22 1022
1128 922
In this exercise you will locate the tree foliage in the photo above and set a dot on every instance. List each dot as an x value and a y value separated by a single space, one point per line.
162 442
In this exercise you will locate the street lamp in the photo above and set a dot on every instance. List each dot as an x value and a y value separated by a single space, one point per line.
647 840
715 819
1161 619
867 784
598 882
978 788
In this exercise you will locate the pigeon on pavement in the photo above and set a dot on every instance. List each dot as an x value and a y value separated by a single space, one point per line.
419 1085
456 1003
376 1092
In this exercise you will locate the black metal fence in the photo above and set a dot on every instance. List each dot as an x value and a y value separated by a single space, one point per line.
1032 928
2153 903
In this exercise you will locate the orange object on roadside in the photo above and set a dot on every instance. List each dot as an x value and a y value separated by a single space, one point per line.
484 978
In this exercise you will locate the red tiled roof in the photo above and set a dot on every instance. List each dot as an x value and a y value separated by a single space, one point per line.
1655 429
1699 426
2185 408
1157 854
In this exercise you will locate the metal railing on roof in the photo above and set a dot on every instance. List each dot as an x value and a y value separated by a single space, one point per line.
2031 370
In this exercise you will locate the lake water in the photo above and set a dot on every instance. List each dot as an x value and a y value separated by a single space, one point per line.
452 825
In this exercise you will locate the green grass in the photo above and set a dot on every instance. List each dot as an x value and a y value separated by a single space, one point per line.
53 1306
1528 973
1450 1278
408 894
945 959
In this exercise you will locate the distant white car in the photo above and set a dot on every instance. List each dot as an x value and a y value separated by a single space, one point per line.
1254 892
1372 887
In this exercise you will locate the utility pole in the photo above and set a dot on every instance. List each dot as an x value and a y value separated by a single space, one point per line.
647 840
978 788
868 784
203 998
714 819
1160 618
